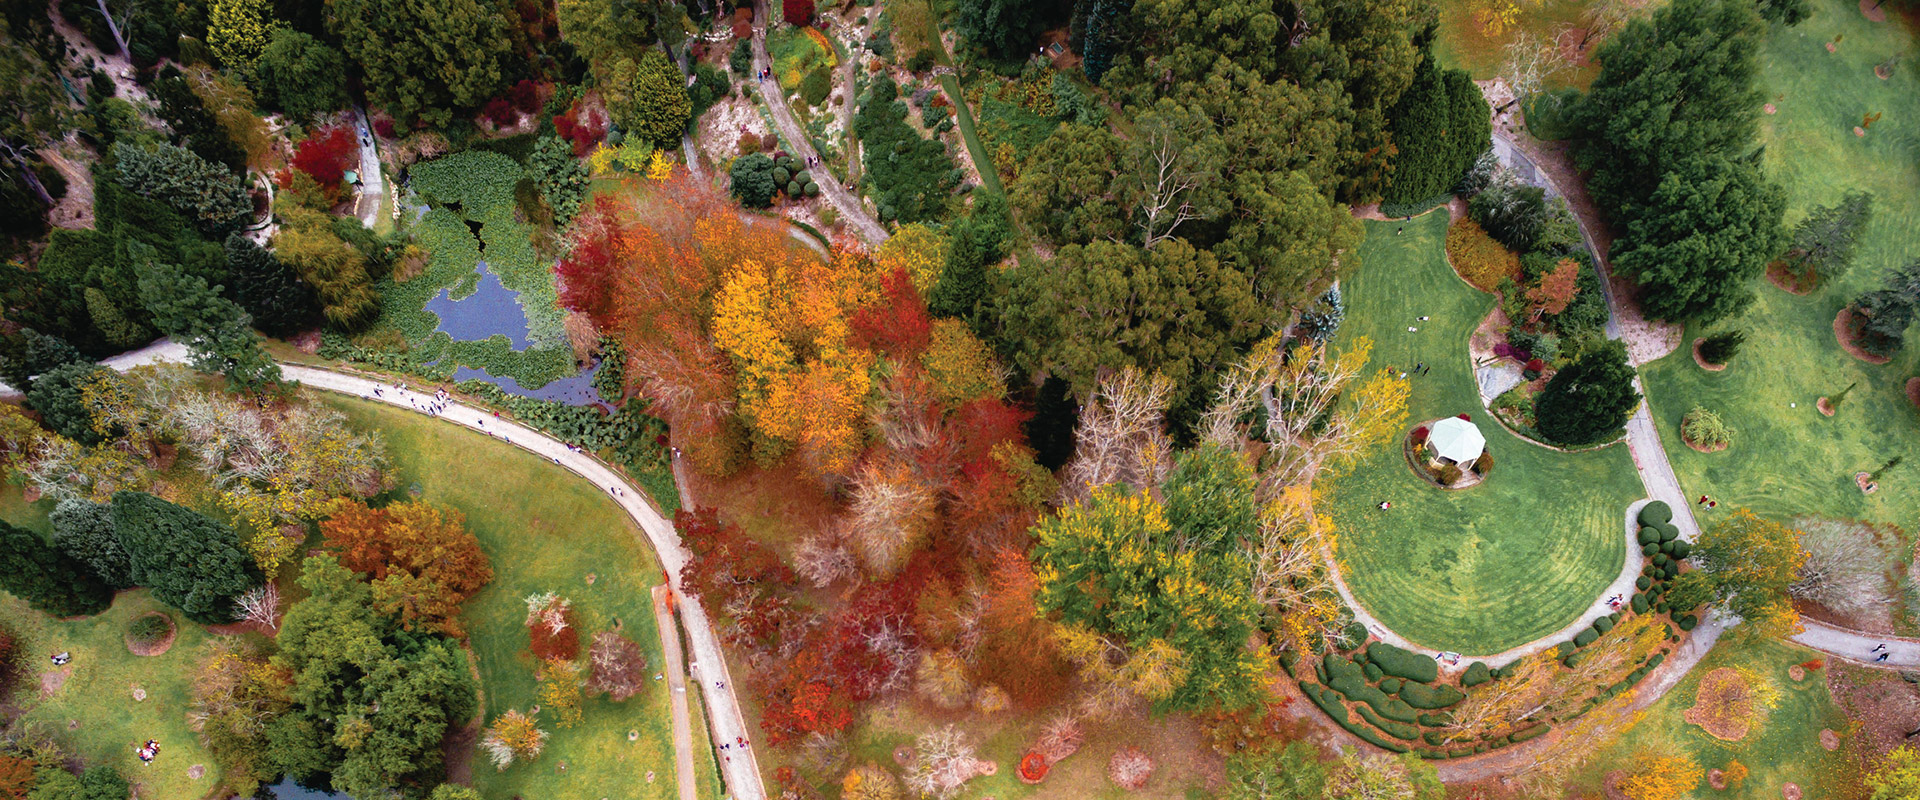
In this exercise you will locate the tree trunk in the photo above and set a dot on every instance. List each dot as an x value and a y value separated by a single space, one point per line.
114 29
26 173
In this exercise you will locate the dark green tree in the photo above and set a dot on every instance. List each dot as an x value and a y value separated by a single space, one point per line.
1590 399
112 323
1006 29
1098 29
1067 188
1440 125
280 303
56 395
205 191
191 562
1785 12
979 241
1721 347
28 353
47 579
1822 245
1705 235
216 330
752 180
1209 500
84 531
194 127
1881 317
301 75
428 59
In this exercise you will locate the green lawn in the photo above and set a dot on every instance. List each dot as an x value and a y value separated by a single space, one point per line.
1784 747
1789 460
1478 570
545 530
1464 44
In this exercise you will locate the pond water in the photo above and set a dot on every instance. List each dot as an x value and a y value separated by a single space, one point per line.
574 390
286 789
492 310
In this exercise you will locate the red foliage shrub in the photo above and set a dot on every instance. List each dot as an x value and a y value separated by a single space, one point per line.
743 22
797 12
326 154
383 126
525 96
584 124
591 268
1465 416
1033 767
897 325
741 579
985 423
499 112
1536 365
1420 434
1814 664
801 699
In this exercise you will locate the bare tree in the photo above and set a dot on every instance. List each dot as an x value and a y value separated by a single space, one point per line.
260 605
1531 59
1314 417
617 666
889 516
1121 437
823 560
1165 180
1845 568
1130 768
942 761
114 29
1603 18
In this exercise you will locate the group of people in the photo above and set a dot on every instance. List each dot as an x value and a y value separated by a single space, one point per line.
148 751
432 408
1707 501
1882 650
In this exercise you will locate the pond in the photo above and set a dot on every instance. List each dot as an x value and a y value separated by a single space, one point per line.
494 310
286 789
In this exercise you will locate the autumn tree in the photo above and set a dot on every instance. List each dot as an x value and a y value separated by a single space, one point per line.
1017 650
1312 421
1555 290
236 697
551 633
1121 438
1748 566
561 691
617 666
511 737
238 31
421 559
1660 777
1898 777
942 762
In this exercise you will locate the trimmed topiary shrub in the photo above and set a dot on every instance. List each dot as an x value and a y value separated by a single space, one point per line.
1649 535
1660 559
1373 737
1640 605
1398 730
1422 696
1390 685
1682 549
149 628
1434 738
1643 583
1402 664
1603 625
1343 676
1438 719
1476 674
1649 549
1373 672
1586 637
1328 701
1669 532
1655 513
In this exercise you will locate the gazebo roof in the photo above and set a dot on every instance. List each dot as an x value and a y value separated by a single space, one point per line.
1456 440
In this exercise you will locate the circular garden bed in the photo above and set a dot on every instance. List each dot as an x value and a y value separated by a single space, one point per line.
150 634
1438 471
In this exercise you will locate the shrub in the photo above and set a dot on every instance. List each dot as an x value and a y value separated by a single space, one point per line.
1398 730
921 61
1660 559
1403 664
1649 536
1483 464
1476 674
1640 604
1603 624
1529 733
1655 513
1448 474
1391 685
1328 701
1373 737
1342 675
1478 258
1586 637
1643 583
1688 622
815 88
1682 549
1669 532
1511 212
326 154
1422 696
1721 347
1704 428
1372 672
1438 719
149 628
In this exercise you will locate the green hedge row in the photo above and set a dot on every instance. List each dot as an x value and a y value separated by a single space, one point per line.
1328 701
1640 605
1529 733
1687 622
1436 720
1477 673
1394 728
1342 675
1584 638
1403 664
1427 697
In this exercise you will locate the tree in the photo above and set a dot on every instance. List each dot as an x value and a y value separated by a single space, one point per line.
617 666
300 75
1531 59
1405 776
336 270
1880 318
1313 423
56 395
1556 289
216 330
752 180
1898 776
1005 28
1705 429
260 606
1822 245
1178 620
1658 777
84 531
1747 565
1440 125
942 762
1293 772
561 691
604 31
235 697
420 558
191 562
193 125
1704 235
1590 399
238 31
648 98
454 791
797 12
1209 499
49 580
207 192
1721 347
426 60
869 782
513 736
1067 190
268 289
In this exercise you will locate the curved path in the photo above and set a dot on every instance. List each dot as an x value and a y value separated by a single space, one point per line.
848 204
740 769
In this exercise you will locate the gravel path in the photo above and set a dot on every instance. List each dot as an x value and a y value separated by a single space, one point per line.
851 211
1858 647
373 187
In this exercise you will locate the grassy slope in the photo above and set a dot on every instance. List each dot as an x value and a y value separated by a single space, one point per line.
1483 569
1785 747
545 530
1463 44
1786 460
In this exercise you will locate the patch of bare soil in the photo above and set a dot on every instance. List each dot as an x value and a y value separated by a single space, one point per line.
1610 785
1703 362
1724 705
1843 332
1885 705
1788 282
459 744
1717 780
53 679
1797 673
1790 790
1913 390
1824 405
157 646
1872 11
1571 51
1829 740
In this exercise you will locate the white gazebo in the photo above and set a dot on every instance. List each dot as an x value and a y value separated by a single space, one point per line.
1456 440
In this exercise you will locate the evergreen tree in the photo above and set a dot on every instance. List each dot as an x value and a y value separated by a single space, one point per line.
191 562
648 98
212 327
1097 32
29 353
752 180
1881 317
979 241
112 324
84 531
281 304
1440 125
301 75
56 395
194 127
1703 237
1590 399
1007 29
204 190
1721 347
47 579
426 59
1822 245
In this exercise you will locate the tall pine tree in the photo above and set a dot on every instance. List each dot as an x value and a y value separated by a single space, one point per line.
191 562
46 578
1440 125
281 303
1590 399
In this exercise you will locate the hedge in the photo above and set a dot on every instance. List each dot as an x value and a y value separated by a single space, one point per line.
1584 638
1649 535
1640 603
1431 697
1392 708
1603 624
1287 660
1434 738
1343 676
1476 674
1439 719
1655 513
1328 701
1643 583
1403 664
1687 622
1372 672
1668 532
1571 661
1373 737
1461 752
1660 559
1521 736
1656 660
1391 685
1394 728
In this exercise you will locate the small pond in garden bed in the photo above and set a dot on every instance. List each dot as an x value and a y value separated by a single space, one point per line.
286 789
490 309
574 390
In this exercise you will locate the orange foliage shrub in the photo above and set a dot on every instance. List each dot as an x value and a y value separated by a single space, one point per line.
1478 258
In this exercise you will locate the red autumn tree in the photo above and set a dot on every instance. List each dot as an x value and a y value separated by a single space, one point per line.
420 558
1555 289
525 96
1017 649
739 579
801 699
326 154
898 325
551 633
499 111
797 12
584 124
618 667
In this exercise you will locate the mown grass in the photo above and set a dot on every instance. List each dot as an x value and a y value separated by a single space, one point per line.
1464 44
1783 747
544 530
1478 570
1787 459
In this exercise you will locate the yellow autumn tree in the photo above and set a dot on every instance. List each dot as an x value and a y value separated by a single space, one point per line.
237 32
659 166
959 364
917 249
1658 777
561 689
1746 564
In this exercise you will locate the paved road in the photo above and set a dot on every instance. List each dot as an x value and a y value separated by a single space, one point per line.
373 187
676 673
848 205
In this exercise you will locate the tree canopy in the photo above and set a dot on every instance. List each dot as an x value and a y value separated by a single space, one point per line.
49 580
191 562
1746 566
426 60
1590 399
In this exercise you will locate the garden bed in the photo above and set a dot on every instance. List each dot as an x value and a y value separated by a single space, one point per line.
1843 333
1701 361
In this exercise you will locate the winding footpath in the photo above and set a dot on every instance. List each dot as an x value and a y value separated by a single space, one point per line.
851 210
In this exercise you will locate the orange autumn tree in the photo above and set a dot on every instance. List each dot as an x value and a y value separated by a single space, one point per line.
1555 289
421 559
